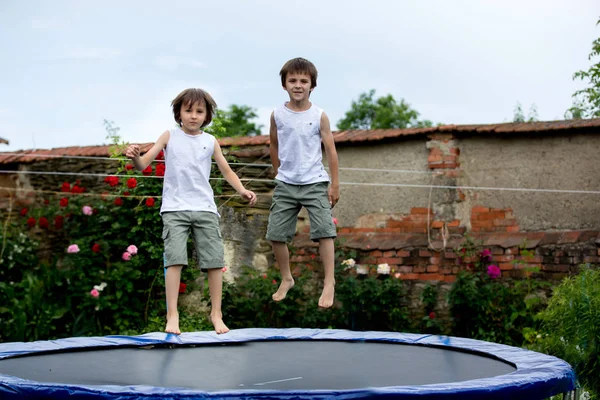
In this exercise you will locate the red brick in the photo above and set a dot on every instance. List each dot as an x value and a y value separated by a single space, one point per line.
450 255
504 222
420 210
437 224
454 150
482 224
497 250
453 223
450 278
403 253
419 269
433 268
512 229
405 269
488 216
479 209
512 250
434 158
435 260
368 260
389 260
431 277
449 158
556 268
425 253
530 259
503 258
390 253
435 151
506 266
409 276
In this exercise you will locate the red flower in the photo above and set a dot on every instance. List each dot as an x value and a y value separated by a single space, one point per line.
131 183
125 193
112 180
274 282
66 187
160 169
182 287
46 201
160 155
147 171
31 222
64 202
264 276
43 222
432 315
149 201
59 221
23 212
118 201
129 167
77 189
96 248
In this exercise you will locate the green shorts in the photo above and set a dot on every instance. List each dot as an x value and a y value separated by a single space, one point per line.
286 204
207 238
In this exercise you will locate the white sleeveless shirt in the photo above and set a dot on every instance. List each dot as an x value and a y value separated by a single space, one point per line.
299 139
188 160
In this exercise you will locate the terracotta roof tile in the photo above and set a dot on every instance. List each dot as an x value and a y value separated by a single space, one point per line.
352 136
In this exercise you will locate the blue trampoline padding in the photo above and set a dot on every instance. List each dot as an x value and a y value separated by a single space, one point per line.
537 375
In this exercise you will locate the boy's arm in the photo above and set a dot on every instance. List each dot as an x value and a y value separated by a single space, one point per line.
274 144
141 162
231 176
332 159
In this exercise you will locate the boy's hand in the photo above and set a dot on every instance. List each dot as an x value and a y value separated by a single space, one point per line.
334 195
249 195
133 151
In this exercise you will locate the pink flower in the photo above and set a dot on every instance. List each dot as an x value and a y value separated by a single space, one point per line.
335 221
486 255
274 282
87 210
493 271
132 249
224 269
94 293
126 256
73 249
397 275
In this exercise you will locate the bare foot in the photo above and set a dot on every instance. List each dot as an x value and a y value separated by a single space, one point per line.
284 287
326 299
173 324
217 321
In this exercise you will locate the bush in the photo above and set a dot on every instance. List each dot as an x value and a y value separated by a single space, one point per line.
570 327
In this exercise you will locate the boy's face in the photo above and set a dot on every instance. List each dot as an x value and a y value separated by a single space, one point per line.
297 84
192 116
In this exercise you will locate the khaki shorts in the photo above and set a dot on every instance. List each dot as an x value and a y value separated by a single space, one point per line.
286 204
206 233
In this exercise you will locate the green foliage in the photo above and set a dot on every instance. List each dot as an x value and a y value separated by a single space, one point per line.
488 308
234 122
587 101
519 115
430 322
382 113
570 327
372 302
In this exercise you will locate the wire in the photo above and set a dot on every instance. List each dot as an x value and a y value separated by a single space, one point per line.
399 185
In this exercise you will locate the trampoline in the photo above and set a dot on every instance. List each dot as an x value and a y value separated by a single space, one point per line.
278 363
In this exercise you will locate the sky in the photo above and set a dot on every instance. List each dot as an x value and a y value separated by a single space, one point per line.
66 66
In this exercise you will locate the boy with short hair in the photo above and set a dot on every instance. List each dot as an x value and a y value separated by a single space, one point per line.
297 130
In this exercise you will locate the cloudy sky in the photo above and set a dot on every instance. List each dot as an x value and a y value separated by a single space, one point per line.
68 65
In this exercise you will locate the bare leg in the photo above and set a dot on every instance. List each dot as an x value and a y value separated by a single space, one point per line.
172 287
282 255
215 287
327 253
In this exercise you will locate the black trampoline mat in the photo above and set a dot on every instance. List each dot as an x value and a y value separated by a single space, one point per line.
270 365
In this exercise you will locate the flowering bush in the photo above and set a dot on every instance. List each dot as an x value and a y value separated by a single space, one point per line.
483 306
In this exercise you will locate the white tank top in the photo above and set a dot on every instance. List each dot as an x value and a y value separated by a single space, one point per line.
299 139
188 160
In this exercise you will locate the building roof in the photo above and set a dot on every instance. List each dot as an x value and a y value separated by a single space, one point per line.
341 137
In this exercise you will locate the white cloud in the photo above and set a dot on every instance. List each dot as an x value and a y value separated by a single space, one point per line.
171 63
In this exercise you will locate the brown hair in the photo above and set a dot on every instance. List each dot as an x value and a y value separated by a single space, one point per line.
299 64
190 96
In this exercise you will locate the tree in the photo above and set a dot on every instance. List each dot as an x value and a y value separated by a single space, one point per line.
384 112
519 116
236 121
587 101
